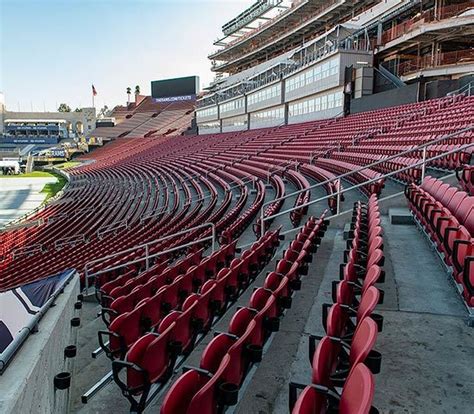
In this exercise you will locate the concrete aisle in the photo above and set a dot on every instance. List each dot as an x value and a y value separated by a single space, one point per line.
427 348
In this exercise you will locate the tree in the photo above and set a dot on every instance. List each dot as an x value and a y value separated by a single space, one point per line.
103 112
78 110
137 90
64 108
129 92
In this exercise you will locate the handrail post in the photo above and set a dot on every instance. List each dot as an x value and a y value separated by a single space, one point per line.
262 222
147 258
338 198
86 277
213 247
423 167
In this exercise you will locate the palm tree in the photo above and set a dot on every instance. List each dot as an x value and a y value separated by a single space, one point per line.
129 92
137 90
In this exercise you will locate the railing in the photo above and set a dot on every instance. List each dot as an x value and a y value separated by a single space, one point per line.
315 154
427 16
26 224
123 224
434 61
21 251
281 167
373 164
465 90
279 17
341 191
155 213
148 256
69 241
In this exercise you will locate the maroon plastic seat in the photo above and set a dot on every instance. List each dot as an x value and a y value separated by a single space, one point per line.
356 398
195 391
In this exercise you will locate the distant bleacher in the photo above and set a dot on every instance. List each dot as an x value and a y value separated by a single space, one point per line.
148 118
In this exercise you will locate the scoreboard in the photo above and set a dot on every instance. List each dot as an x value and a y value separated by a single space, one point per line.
177 89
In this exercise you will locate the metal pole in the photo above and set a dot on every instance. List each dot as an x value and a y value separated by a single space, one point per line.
338 199
147 260
86 276
423 167
213 227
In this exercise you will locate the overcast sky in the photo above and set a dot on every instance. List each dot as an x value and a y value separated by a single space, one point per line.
52 50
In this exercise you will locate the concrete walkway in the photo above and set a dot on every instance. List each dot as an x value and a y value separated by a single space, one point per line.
19 196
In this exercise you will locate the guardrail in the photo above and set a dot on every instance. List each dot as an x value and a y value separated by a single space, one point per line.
69 241
123 224
21 251
466 89
391 157
148 256
421 163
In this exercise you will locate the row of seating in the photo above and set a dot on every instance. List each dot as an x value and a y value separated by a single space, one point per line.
147 341
228 357
345 357
447 216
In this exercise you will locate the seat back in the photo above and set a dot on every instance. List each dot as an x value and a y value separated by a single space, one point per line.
358 392
205 400
309 402
324 361
336 321
179 396
368 302
363 341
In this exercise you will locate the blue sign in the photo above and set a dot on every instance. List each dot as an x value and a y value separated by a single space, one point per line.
29 140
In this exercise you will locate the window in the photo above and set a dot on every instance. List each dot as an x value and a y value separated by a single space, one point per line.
314 74
207 112
235 121
316 104
269 115
232 105
209 125
264 94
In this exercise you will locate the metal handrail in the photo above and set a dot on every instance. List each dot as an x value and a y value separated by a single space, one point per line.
318 152
20 251
112 227
146 246
69 240
461 90
372 180
155 213
391 157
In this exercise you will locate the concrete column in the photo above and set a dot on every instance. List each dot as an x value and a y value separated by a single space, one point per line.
379 33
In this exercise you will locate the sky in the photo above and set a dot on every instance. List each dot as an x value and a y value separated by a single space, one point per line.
52 51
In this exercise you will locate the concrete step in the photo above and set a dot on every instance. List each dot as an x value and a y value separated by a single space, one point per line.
400 216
